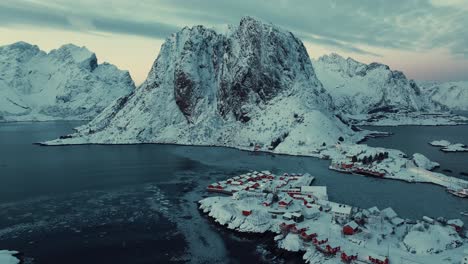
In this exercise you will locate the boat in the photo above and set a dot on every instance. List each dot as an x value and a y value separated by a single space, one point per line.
342 167
463 193
336 168
464 213
369 172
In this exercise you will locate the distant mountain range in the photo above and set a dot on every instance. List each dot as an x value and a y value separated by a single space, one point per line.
251 86
453 95
359 88
64 84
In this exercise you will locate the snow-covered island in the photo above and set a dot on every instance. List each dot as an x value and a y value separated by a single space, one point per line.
390 164
326 232
446 146
408 118
9 257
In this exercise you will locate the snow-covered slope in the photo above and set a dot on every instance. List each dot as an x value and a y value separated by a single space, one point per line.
453 95
8 257
359 88
253 84
67 83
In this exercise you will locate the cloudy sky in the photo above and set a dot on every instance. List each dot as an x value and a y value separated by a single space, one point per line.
427 39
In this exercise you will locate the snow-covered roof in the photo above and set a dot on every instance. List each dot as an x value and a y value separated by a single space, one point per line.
374 210
397 221
286 199
389 213
287 215
289 222
456 222
296 214
309 211
352 224
318 191
359 215
340 208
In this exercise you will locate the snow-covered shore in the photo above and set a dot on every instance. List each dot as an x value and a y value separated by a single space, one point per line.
306 223
396 165
8 257
408 119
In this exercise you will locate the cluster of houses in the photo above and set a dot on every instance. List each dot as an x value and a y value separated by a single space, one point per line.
351 167
291 198
252 181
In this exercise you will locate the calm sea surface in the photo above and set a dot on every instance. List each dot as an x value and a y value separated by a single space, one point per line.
137 203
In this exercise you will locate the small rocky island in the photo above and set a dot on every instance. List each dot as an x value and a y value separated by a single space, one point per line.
446 146
303 219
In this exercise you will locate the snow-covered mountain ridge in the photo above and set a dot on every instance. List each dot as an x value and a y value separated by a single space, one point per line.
66 83
453 95
253 84
359 88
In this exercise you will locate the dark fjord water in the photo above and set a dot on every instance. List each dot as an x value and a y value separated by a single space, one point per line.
137 203
415 139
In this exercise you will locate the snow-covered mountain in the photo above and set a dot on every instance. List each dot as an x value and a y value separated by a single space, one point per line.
252 84
66 83
359 88
453 95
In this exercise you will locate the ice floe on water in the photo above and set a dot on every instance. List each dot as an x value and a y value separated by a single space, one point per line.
83 209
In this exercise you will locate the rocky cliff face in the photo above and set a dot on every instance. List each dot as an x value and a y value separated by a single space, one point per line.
254 84
453 95
67 83
359 88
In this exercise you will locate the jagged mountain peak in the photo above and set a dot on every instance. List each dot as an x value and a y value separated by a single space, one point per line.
249 66
22 45
66 83
453 95
253 83
21 51
75 54
360 88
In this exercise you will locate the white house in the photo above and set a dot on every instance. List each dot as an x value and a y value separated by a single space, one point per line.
397 221
340 211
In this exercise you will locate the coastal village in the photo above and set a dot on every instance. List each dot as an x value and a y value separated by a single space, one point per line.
392 164
303 219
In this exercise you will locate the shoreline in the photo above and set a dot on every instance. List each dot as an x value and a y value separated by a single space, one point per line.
329 153
228 212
